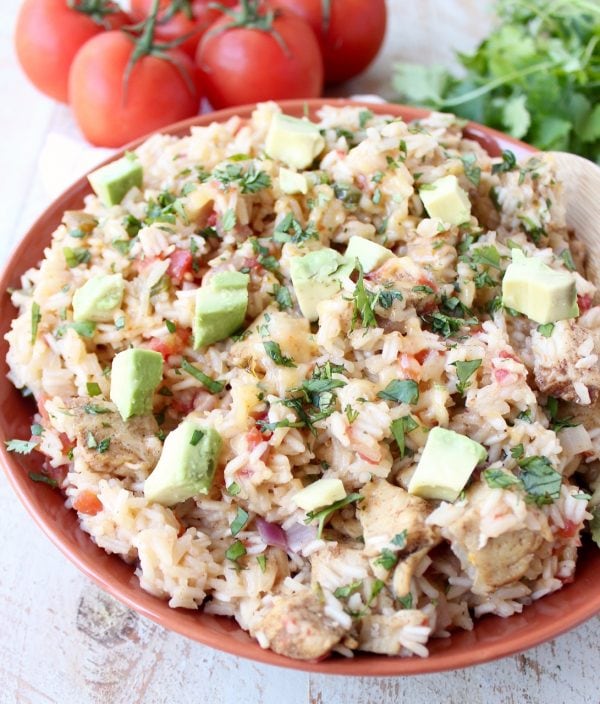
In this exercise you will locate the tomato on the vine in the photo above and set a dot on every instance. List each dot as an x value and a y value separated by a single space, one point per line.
50 32
254 54
350 32
181 18
122 87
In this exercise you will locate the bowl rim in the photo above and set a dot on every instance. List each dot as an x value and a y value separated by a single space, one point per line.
363 665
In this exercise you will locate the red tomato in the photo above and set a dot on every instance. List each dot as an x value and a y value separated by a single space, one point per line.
173 343
48 35
158 91
242 65
193 18
180 264
350 37
87 502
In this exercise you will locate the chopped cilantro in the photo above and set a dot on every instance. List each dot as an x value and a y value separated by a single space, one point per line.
323 514
235 551
472 171
290 230
171 327
43 479
93 389
464 371
422 288
595 525
347 590
95 410
406 601
546 330
36 317
347 193
239 522
401 391
527 416
399 540
400 428
103 445
351 413
74 256
234 489
387 559
364 302
540 480
517 451
274 351
197 435
565 255
499 479
508 163
363 117
215 387
262 562
21 447
557 423
282 297
250 180
228 220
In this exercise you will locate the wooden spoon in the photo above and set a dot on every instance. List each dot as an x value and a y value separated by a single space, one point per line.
581 183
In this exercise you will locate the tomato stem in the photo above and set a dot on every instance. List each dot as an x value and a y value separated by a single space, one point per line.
145 45
97 10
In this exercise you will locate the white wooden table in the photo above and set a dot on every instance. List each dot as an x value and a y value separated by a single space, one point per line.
61 639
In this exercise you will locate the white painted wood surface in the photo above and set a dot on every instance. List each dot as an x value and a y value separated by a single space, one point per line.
61 639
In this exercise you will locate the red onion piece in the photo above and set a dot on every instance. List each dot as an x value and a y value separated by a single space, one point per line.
300 535
271 533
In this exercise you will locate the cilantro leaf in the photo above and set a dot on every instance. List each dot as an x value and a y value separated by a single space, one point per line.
36 317
400 427
215 387
540 480
401 391
274 351
347 590
282 297
323 514
464 371
240 521
21 447
595 525
499 479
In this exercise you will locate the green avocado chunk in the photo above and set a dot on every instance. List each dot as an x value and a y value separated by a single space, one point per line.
98 298
297 143
370 254
112 182
446 200
220 307
292 182
446 464
186 466
539 292
135 374
317 276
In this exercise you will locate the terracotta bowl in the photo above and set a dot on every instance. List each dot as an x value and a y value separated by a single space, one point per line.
491 638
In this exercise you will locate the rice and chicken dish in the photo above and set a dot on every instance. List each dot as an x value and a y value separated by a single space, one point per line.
337 380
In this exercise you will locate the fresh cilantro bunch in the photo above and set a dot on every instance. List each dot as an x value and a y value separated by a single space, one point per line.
537 76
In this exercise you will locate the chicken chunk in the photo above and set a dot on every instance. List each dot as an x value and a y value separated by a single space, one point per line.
503 560
298 627
405 570
108 443
388 510
385 633
566 363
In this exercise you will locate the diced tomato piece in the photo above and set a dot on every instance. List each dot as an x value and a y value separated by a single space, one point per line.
253 438
173 343
180 264
211 220
410 367
87 502
422 356
424 281
569 530
584 302
251 263
184 401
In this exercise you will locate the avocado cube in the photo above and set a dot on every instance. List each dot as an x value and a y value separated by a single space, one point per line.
370 254
292 182
323 492
539 292
296 143
135 374
446 464
446 200
220 307
225 280
98 298
317 276
112 182
186 466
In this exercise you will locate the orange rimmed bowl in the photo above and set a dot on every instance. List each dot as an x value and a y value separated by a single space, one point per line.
492 637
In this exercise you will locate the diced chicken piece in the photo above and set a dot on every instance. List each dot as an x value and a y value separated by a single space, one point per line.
566 363
503 560
298 627
108 443
389 634
405 570
388 510
337 566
